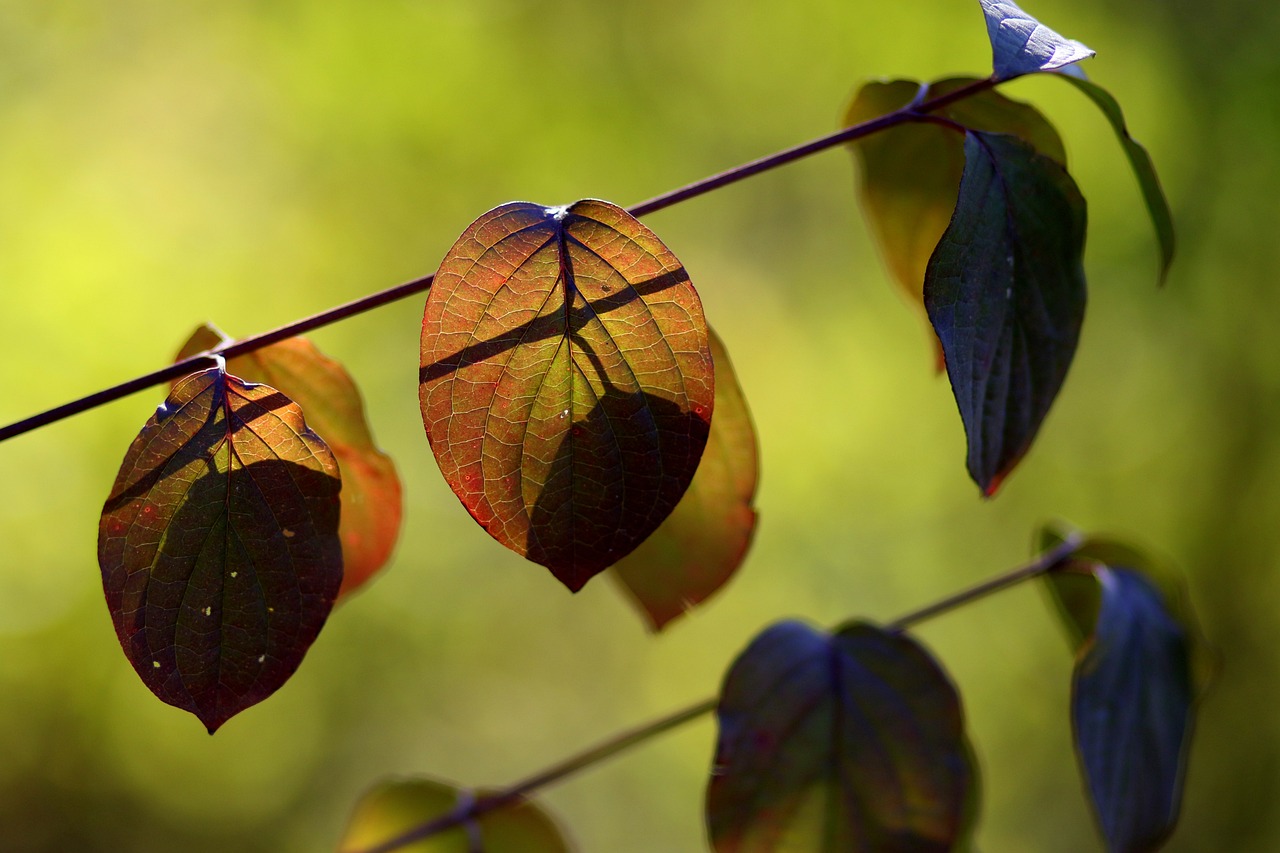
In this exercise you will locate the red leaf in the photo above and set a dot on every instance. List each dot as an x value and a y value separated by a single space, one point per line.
219 547
566 381
702 543
371 502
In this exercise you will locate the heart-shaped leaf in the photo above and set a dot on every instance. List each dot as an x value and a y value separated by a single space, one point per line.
219 545
704 540
393 808
1005 292
838 742
371 503
566 381
1022 45
910 174
1140 161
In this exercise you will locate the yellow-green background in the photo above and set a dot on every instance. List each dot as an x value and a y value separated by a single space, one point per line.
163 164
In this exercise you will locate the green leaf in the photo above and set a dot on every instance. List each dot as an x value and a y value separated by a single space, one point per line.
838 742
1005 292
704 540
1152 194
219 545
910 174
395 807
371 499
566 381
1132 710
1022 45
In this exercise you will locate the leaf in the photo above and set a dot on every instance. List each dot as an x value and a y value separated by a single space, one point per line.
566 381
1132 710
910 174
395 807
844 742
1022 45
1005 292
1152 194
371 496
219 545
704 540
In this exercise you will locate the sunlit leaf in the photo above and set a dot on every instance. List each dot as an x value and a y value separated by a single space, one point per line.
1132 710
1152 194
219 545
1005 292
838 742
371 502
1022 45
704 540
566 381
394 808
910 174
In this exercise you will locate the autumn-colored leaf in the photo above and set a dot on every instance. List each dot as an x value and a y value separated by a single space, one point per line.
393 808
566 381
704 540
843 742
1005 292
219 545
371 501
910 174
1022 45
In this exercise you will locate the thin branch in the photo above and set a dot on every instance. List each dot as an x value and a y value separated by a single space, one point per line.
473 809
910 112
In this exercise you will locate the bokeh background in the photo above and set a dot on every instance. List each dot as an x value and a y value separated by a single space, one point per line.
163 164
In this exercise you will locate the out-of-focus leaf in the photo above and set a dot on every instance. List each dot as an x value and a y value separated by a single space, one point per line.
838 742
1022 45
1005 292
371 500
910 174
1132 711
566 381
1152 194
704 540
219 545
393 808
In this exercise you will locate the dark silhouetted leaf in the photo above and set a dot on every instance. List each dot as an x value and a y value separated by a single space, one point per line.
1005 292
393 808
371 503
910 174
219 545
566 381
1022 45
1132 710
704 540
1143 168
846 742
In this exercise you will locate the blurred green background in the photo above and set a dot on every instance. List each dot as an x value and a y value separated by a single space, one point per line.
163 164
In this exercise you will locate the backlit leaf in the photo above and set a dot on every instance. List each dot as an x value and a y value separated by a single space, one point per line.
844 742
1005 292
1143 168
1132 710
1022 45
371 502
393 808
704 540
219 545
910 174
566 381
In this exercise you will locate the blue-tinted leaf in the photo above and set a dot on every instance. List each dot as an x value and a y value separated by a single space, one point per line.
1143 168
838 742
1022 45
1005 292
1132 711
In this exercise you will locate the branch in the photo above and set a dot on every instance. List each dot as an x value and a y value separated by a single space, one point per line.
1050 560
910 112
